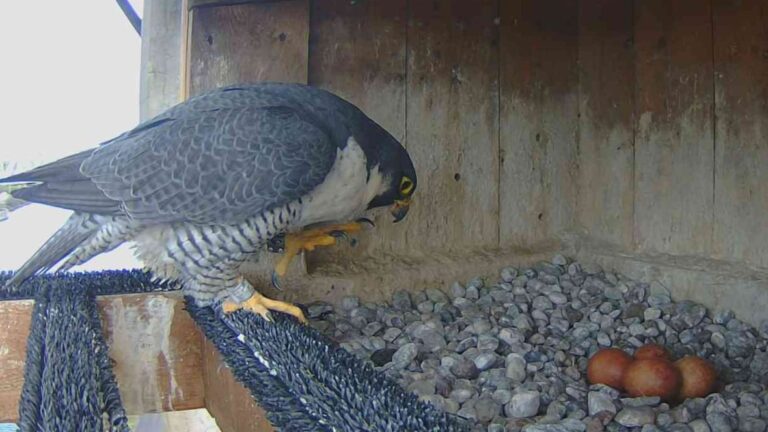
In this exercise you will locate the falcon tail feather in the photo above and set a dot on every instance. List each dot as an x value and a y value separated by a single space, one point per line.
74 232
8 204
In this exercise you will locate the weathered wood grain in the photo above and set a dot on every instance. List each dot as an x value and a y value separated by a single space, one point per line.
539 104
227 400
161 56
605 204
216 3
15 318
157 351
674 157
155 345
357 50
248 43
452 123
741 110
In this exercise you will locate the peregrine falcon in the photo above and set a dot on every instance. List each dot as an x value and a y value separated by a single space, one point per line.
204 186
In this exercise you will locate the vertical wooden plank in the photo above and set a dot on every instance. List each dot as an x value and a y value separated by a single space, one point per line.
606 139
248 43
226 399
539 104
674 139
741 155
153 342
156 349
14 330
357 50
452 123
162 34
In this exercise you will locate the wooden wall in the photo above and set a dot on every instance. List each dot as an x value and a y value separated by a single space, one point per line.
673 133
642 123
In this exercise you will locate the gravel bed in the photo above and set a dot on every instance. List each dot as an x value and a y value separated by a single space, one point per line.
511 354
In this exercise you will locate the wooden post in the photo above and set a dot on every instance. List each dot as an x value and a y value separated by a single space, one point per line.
154 343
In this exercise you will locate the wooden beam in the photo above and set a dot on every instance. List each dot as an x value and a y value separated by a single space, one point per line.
15 317
157 349
226 399
154 343
162 42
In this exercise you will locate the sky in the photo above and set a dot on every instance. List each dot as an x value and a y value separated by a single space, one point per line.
69 80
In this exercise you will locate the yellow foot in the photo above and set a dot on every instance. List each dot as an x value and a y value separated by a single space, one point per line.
261 305
310 239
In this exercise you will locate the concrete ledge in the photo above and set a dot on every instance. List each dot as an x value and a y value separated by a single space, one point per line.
714 283
375 278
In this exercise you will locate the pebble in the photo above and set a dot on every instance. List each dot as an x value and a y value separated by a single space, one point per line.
382 356
515 367
461 395
524 404
406 354
401 300
465 368
372 328
508 274
350 302
472 293
641 401
751 424
487 342
699 425
318 309
635 416
486 409
457 290
520 345
600 402
485 360
436 296
719 422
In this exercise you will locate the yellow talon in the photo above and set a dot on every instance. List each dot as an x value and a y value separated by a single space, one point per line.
308 240
261 305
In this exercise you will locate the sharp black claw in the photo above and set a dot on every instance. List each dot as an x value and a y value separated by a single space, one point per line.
366 221
276 280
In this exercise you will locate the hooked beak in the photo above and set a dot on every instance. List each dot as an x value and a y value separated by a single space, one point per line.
399 209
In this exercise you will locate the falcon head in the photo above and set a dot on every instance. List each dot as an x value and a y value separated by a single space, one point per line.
394 164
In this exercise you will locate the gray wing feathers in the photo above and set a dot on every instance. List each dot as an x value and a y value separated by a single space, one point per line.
219 166
75 231
218 157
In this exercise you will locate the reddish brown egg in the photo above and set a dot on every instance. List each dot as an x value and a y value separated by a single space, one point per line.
608 366
698 375
652 377
652 351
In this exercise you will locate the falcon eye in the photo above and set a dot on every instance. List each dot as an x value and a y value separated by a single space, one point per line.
406 186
